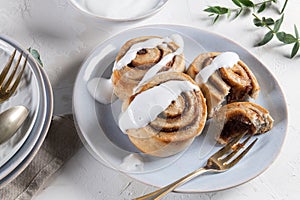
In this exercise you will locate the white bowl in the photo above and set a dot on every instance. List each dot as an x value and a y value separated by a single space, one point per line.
112 10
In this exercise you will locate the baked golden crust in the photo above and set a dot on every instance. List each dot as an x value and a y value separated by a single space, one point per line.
177 126
127 78
228 85
239 117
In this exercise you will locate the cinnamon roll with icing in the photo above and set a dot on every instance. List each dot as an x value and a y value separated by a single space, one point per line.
164 115
223 77
239 117
141 58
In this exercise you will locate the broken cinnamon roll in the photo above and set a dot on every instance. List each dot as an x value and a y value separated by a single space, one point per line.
236 118
223 77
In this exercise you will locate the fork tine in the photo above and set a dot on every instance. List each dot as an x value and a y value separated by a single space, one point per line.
237 159
237 148
7 67
228 146
17 81
8 82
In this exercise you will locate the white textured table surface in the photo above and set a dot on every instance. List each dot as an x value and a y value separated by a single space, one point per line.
64 38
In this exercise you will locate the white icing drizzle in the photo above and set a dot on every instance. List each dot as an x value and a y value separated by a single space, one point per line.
101 89
132 162
147 105
226 59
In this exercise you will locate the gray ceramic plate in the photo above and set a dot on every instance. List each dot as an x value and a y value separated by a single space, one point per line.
95 134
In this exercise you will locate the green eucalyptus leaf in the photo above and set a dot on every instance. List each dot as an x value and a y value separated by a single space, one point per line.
258 22
211 9
280 36
262 7
216 18
268 37
289 39
296 31
36 55
247 3
278 24
286 38
295 49
228 13
216 10
237 2
268 21
238 13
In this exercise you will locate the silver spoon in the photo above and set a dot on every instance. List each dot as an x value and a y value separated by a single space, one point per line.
11 120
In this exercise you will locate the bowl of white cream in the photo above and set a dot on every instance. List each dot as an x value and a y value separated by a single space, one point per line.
116 10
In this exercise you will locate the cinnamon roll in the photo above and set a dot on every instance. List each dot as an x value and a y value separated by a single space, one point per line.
141 58
223 77
239 117
164 115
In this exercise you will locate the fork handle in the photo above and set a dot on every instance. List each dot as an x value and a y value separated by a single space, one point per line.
165 190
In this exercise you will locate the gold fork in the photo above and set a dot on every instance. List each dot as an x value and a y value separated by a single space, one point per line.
221 161
8 87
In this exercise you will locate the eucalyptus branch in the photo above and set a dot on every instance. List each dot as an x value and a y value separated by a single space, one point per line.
269 23
241 5
274 29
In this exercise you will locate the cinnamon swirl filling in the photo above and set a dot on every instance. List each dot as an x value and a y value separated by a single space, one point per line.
226 84
175 127
236 118
167 54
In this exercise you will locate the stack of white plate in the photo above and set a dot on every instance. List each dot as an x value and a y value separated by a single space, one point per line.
35 93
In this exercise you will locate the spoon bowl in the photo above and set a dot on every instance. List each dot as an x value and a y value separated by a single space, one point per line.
11 120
